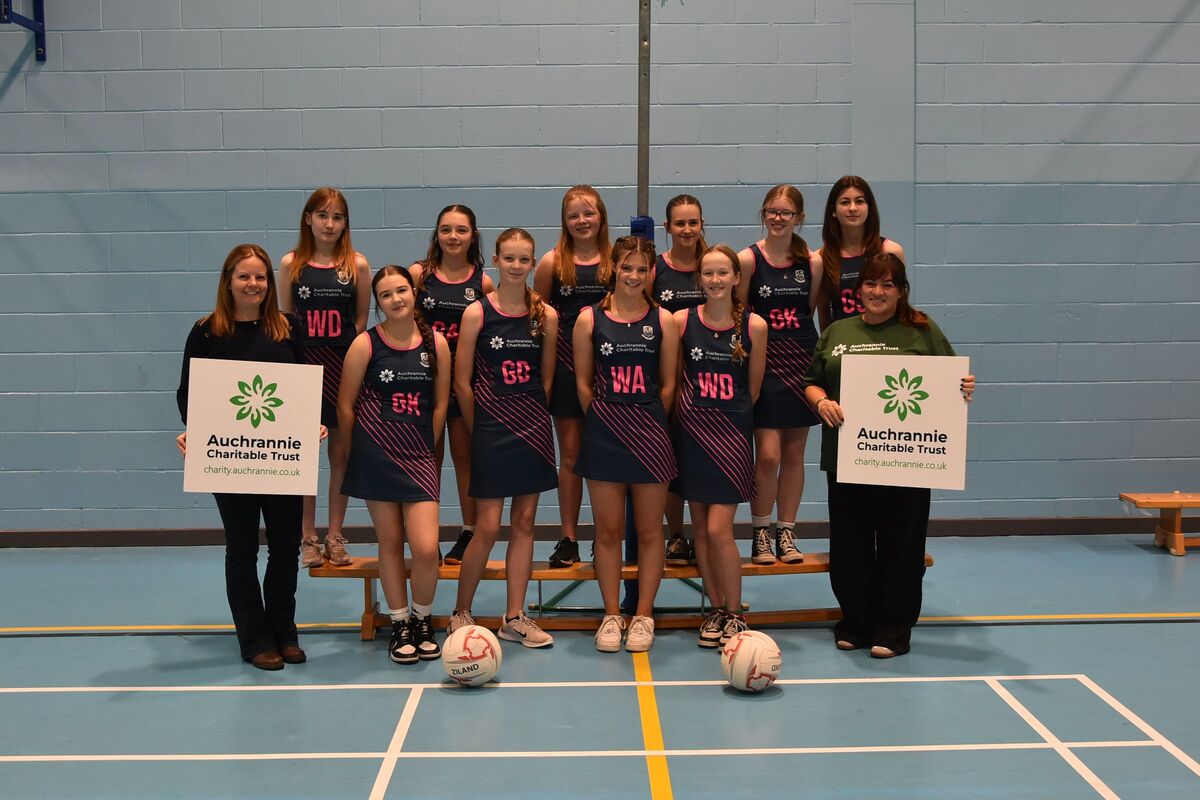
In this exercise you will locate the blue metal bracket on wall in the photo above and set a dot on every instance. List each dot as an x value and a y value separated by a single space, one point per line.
37 24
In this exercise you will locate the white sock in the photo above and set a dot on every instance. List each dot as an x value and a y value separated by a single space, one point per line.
760 522
780 525
422 611
400 615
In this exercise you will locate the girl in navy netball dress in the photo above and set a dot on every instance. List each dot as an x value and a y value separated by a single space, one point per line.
850 235
780 280
324 281
567 277
722 358
502 377
626 356
391 408
449 279
676 287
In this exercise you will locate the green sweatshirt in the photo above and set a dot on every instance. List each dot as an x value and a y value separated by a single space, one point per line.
853 336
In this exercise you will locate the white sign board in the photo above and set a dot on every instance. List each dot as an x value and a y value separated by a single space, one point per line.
905 421
254 427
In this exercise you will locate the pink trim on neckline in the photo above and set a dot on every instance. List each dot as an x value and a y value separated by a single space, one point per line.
763 253
608 314
470 275
700 316
383 337
496 308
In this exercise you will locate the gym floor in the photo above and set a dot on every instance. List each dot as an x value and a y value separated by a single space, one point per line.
1051 666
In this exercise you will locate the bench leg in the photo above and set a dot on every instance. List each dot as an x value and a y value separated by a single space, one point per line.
1170 529
370 606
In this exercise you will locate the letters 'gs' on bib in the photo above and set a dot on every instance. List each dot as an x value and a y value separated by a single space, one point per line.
253 427
905 420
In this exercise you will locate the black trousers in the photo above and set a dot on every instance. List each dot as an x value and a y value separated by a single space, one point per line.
264 616
877 560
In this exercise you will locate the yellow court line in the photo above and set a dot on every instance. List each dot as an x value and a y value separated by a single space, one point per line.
652 738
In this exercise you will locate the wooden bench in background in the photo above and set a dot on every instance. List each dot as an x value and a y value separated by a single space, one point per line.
1169 532
367 570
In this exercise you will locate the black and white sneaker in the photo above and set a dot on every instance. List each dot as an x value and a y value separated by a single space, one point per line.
455 556
760 549
402 649
566 553
734 624
680 552
785 548
423 638
711 628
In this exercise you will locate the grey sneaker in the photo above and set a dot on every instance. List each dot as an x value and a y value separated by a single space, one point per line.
608 637
335 550
760 551
459 619
785 549
734 624
524 630
640 636
310 553
711 628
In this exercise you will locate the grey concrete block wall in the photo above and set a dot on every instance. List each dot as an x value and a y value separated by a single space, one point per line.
1046 194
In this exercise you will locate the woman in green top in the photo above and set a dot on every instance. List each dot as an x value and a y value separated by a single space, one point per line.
876 533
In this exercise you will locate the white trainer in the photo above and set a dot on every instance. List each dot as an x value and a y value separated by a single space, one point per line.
641 635
608 638
524 630
459 619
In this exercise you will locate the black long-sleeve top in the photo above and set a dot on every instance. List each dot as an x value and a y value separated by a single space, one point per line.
249 343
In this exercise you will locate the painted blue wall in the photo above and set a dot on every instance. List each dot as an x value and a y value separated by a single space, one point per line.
1037 161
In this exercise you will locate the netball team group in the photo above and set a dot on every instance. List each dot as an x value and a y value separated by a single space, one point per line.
688 376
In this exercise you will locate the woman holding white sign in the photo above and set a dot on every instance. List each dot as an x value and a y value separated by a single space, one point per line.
876 533
246 325
391 407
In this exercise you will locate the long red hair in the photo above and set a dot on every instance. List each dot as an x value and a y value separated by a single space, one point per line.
564 251
222 323
324 199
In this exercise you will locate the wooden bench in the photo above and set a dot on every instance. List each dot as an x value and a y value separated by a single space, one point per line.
1169 531
367 569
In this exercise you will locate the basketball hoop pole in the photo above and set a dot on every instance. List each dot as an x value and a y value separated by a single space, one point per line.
643 117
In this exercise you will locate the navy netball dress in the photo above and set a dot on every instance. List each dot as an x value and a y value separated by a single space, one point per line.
847 300
625 438
391 452
780 295
325 304
675 289
512 449
714 438
568 301
442 303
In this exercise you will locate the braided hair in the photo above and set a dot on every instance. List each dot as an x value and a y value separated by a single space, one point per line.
533 300
739 308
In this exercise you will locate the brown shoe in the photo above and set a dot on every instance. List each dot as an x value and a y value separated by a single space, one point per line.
269 660
292 654
335 550
310 553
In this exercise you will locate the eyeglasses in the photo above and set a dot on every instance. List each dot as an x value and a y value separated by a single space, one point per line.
778 213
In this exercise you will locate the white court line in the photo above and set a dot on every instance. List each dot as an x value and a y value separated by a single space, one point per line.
331 687
384 776
1141 725
462 754
1063 750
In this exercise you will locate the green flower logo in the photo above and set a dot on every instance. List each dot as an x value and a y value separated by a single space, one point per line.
256 401
903 394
